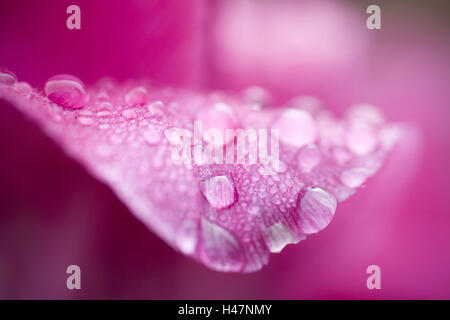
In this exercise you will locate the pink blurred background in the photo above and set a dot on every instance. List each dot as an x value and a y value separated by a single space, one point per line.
54 214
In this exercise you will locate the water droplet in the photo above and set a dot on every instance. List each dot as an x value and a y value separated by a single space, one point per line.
186 237
8 78
156 108
102 96
308 158
297 127
23 88
85 113
278 166
105 106
307 103
175 136
136 96
129 114
282 187
152 136
316 209
143 123
366 113
219 191
278 235
354 177
389 136
85 121
103 114
66 90
341 155
218 118
220 250
256 97
266 169
360 138
273 189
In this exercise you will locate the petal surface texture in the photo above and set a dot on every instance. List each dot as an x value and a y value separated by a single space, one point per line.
193 166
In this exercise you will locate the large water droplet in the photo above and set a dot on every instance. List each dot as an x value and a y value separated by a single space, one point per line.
186 237
24 88
297 127
7 78
66 90
308 158
354 177
279 166
389 136
105 106
360 138
85 121
341 155
176 136
219 191
256 97
307 103
316 209
278 235
136 96
103 114
152 136
366 113
156 108
218 118
220 249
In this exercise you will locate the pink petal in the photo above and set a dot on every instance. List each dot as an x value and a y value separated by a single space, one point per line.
228 216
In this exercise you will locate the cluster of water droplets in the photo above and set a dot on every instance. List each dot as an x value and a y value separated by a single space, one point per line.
228 215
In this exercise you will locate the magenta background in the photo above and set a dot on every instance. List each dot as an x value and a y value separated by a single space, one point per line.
53 214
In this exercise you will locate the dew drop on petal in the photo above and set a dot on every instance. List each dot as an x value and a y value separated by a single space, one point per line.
129 114
354 177
24 88
136 96
389 136
217 118
278 235
7 78
220 250
256 97
103 126
308 158
105 106
366 113
85 121
176 136
307 103
297 127
360 138
152 136
66 90
156 108
103 114
219 191
316 209
278 166
186 237
341 155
